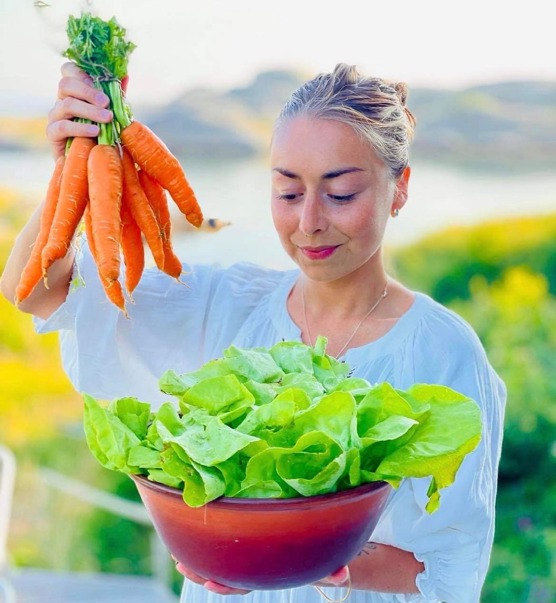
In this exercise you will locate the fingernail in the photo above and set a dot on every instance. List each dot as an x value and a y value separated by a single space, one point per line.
101 98
92 130
105 114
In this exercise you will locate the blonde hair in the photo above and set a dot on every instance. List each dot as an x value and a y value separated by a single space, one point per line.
373 107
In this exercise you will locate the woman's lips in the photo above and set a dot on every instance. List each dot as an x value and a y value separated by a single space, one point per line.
319 253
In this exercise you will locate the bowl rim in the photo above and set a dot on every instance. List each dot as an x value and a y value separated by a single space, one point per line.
227 501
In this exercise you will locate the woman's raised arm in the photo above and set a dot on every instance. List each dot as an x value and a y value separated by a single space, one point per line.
77 98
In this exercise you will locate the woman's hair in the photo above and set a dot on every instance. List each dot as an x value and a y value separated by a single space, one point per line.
373 107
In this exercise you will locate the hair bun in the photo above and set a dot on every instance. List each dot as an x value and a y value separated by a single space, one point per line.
401 89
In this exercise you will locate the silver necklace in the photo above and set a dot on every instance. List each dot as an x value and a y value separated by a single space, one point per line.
372 309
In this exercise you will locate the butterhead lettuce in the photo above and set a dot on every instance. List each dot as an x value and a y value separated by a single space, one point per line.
282 422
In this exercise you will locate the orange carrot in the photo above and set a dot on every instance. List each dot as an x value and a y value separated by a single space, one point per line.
132 248
89 231
105 197
115 294
140 209
152 155
71 202
159 203
114 291
32 272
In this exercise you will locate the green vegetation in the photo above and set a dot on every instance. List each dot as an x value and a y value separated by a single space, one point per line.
500 276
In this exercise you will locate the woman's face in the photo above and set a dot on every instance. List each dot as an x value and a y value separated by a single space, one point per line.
331 197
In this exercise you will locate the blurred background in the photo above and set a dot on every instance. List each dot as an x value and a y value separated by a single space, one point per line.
478 232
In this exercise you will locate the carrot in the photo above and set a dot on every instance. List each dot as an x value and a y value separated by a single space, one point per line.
105 194
71 202
32 272
89 231
159 203
138 204
152 155
132 248
156 195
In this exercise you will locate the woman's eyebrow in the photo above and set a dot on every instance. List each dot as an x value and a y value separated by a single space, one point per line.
326 176
341 172
285 173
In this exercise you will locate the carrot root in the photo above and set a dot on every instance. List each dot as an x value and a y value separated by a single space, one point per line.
71 203
152 155
158 201
141 211
132 249
32 272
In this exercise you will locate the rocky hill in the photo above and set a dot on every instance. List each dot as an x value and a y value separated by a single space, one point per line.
510 123
234 123
505 124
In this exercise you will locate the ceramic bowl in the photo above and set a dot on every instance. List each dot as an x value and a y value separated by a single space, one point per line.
265 544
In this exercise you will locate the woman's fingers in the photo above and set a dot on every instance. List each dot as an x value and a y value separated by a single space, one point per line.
77 98
61 129
192 576
214 587
70 69
70 107
220 589
62 126
73 87
338 578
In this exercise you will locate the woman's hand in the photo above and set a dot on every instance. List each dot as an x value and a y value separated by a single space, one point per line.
338 578
214 587
77 98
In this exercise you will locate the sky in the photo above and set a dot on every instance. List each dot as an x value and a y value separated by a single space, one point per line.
224 43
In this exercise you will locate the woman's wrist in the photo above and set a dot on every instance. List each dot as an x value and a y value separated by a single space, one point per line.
384 568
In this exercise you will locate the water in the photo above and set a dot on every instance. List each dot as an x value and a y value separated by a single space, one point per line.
238 192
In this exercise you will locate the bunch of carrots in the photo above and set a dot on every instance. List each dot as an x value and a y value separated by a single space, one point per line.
115 185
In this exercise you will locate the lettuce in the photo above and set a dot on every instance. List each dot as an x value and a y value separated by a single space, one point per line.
282 422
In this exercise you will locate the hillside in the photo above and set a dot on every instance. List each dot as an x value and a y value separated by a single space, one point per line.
506 124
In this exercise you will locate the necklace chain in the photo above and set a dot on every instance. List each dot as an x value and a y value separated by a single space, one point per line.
372 309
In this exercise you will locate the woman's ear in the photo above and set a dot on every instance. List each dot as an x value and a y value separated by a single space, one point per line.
400 196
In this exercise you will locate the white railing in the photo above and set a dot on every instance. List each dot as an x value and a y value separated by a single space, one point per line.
134 511
7 485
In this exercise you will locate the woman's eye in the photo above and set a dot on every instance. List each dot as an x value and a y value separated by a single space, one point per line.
288 197
343 197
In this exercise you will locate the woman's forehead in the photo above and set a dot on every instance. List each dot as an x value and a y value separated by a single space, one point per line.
310 141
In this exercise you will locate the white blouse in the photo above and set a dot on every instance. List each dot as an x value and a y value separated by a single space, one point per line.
182 326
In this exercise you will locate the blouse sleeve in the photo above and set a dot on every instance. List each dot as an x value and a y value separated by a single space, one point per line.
171 325
454 543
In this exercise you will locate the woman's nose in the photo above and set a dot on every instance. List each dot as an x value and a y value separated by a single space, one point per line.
312 218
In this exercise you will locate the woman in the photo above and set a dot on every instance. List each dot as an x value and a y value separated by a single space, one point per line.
340 170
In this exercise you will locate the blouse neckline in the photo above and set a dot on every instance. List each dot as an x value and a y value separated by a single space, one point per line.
385 344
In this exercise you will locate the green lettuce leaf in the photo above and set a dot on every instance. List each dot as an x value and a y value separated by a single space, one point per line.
437 447
209 441
108 438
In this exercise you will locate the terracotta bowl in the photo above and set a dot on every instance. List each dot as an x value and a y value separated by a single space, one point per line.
263 544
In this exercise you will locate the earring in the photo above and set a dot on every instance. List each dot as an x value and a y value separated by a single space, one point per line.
395 212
